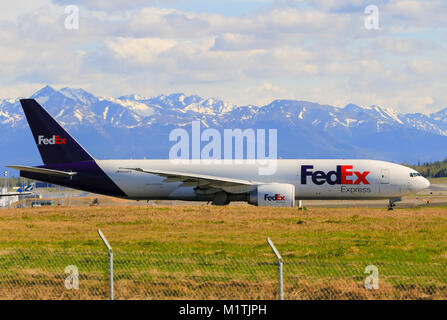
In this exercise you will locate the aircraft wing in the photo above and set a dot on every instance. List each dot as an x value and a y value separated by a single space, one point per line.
194 179
48 172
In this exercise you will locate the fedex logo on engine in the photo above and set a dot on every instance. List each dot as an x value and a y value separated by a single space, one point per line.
51 141
343 175
276 197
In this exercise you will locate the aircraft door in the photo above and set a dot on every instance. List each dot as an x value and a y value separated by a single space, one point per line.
385 186
385 176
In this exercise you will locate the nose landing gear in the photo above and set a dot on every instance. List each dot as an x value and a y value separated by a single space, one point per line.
392 203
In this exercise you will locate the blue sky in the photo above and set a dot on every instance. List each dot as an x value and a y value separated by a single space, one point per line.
226 8
245 52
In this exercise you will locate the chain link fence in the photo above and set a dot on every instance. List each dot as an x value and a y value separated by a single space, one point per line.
58 274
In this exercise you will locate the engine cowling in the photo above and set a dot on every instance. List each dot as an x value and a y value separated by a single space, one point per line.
273 195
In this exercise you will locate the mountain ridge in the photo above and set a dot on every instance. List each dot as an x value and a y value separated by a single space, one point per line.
133 125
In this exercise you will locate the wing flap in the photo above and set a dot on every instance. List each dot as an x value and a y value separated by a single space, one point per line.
194 179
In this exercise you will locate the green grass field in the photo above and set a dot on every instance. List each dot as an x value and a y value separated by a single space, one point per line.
221 252
415 235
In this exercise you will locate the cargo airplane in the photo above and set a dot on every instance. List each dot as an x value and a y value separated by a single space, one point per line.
66 163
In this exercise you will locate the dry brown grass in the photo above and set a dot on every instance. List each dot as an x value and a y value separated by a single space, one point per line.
342 236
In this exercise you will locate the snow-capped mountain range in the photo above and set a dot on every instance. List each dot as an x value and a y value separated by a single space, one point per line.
134 126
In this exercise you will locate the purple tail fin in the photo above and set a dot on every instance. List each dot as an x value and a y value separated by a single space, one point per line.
54 143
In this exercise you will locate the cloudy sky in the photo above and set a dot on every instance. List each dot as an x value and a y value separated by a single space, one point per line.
245 51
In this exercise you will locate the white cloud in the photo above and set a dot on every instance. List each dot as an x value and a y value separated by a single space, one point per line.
328 5
428 68
264 93
142 50
112 5
314 50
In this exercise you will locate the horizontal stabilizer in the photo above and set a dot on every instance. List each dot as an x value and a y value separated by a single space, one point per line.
15 194
48 172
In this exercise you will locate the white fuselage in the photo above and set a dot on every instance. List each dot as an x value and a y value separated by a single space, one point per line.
366 179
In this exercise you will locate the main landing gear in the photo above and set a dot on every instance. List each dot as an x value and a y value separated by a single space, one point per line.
221 199
392 203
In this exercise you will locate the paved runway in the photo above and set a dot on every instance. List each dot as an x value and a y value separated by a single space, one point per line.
435 195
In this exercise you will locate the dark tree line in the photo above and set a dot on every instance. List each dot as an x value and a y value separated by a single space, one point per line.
14 182
437 169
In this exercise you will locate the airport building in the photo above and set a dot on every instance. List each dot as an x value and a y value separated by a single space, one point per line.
7 201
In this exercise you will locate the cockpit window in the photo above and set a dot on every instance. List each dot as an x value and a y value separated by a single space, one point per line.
415 174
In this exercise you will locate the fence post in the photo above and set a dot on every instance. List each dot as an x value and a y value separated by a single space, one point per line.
280 269
110 252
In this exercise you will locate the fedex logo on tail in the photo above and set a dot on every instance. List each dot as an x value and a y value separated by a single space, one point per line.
343 175
51 141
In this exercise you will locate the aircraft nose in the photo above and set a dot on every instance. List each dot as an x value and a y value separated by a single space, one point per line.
422 183
427 183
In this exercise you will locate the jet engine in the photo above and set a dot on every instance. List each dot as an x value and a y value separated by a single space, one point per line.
273 195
